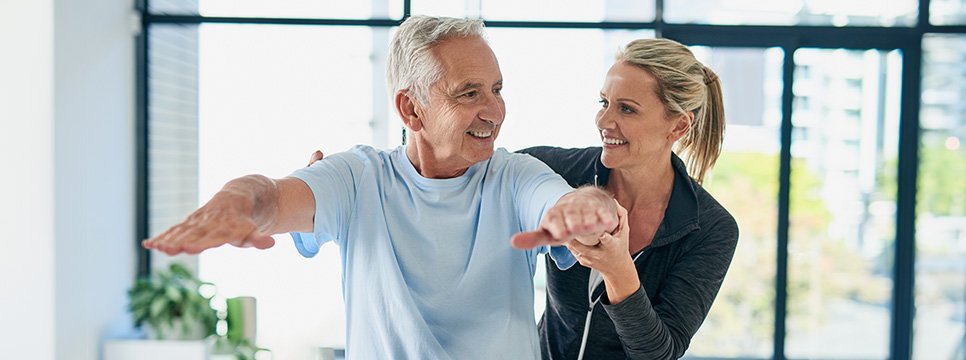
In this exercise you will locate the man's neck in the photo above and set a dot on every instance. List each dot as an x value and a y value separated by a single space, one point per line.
427 165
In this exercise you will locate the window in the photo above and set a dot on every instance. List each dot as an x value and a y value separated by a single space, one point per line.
741 322
793 12
842 218
327 9
941 209
541 10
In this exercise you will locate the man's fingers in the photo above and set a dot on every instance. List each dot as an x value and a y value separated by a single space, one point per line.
555 224
227 232
261 241
531 239
608 219
168 240
211 240
572 219
581 220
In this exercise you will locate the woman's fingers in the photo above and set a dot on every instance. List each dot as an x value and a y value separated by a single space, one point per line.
316 156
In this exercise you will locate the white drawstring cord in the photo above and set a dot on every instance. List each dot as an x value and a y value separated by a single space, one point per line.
594 281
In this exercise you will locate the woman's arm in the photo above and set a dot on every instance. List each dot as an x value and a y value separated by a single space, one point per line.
663 329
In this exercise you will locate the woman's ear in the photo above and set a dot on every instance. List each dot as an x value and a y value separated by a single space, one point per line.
682 123
408 109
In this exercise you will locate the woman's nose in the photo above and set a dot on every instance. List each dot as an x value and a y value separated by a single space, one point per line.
603 119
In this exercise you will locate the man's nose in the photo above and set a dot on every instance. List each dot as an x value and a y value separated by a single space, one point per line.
493 109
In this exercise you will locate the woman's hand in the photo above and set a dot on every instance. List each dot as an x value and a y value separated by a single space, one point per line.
316 156
611 258
610 255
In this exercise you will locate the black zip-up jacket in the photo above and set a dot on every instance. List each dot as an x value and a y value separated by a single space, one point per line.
680 272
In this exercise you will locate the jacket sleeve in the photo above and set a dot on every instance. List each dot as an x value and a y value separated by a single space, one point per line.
663 329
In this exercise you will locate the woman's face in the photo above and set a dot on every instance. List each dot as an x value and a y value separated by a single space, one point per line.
634 127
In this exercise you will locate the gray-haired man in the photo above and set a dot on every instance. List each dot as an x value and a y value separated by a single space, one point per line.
424 230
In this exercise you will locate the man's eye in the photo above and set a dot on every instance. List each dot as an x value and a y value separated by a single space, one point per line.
471 94
498 91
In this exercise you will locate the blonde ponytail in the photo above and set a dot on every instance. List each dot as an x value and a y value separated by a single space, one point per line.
701 146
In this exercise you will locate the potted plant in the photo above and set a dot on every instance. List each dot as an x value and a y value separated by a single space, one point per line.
172 305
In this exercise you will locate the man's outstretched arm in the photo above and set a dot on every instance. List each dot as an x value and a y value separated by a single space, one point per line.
583 214
245 213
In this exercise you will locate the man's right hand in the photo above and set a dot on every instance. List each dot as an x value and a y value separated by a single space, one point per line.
225 219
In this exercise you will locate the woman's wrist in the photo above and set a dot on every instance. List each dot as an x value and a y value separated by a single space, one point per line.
622 282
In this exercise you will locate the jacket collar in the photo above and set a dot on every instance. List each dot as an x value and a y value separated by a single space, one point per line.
683 210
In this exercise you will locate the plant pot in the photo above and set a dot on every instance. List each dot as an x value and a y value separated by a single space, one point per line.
155 350
177 329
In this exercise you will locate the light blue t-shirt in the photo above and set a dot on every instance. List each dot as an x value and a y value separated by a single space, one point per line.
428 270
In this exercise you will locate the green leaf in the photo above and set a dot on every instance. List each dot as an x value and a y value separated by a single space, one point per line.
180 271
173 293
158 306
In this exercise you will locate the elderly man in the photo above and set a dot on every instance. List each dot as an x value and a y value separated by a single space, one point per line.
424 230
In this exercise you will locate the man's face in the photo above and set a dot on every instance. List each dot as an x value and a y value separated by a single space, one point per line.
464 110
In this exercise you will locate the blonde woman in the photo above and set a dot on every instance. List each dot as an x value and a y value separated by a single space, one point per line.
649 286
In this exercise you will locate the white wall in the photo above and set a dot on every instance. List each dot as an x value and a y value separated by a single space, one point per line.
27 179
94 174
67 188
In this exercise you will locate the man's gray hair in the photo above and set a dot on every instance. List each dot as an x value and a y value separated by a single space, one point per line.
411 65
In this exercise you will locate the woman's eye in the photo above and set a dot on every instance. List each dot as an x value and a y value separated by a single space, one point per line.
603 103
626 109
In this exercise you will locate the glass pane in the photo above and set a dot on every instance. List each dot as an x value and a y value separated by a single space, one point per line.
843 190
940 324
325 9
793 12
745 181
947 12
541 10
551 91
173 127
266 97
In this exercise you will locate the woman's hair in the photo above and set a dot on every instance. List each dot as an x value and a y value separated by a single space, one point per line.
411 65
684 85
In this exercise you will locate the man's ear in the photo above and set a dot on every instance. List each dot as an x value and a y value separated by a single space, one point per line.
682 123
409 110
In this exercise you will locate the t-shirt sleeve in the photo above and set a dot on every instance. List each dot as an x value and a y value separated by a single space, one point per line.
333 182
537 189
